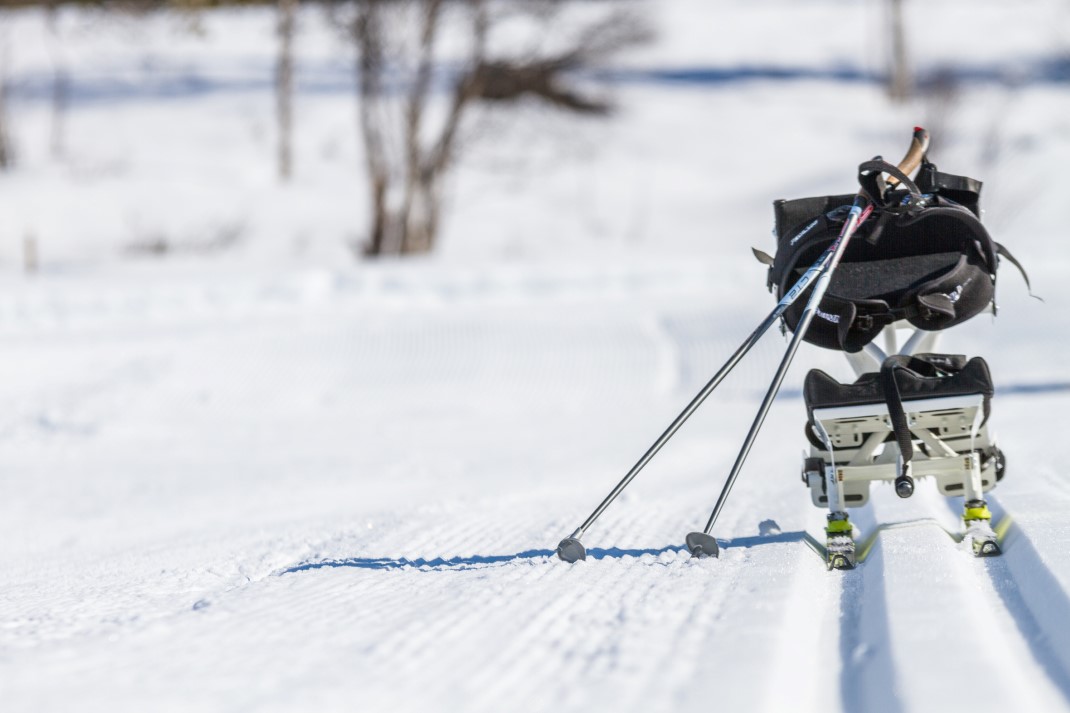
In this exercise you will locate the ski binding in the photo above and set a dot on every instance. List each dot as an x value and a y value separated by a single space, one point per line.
983 539
839 543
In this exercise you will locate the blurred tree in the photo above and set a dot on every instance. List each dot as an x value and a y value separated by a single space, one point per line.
410 143
60 81
284 85
900 78
7 156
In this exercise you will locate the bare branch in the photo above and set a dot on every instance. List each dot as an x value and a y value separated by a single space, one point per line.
367 32
467 87
408 156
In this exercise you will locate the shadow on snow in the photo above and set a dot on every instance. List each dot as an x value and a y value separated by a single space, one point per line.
333 77
1038 604
483 561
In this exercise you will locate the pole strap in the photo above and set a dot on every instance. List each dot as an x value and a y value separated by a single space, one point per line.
871 178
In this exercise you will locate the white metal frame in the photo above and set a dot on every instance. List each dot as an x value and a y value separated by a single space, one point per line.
871 357
956 448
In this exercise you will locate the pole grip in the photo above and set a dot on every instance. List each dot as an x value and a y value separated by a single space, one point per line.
919 144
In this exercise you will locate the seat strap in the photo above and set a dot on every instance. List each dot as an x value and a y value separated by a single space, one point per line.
1005 253
871 178
890 386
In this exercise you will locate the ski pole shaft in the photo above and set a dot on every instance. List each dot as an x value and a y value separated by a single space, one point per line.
789 298
857 211
571 549
678 422
860 210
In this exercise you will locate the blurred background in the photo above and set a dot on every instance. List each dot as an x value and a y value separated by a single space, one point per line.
337 132
321 323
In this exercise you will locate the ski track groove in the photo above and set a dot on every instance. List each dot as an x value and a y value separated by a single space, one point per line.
1041 628
1032 595
868 677
1027 582
517 668
809 628
618 631
758 597
970 638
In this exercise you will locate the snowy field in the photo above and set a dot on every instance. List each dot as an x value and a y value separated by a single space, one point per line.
265 476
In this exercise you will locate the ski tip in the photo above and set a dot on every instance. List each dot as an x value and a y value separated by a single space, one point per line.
986 548
571 550
841 562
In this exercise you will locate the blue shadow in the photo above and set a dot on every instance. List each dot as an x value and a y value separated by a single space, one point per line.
707 76
331 78
759 540
1039 70
471 562
868 682
1039 389
440 563
1056 387
1039 608
483 561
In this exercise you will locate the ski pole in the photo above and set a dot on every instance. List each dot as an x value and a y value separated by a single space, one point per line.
703 544
571 549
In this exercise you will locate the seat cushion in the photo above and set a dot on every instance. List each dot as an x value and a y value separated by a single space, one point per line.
958 378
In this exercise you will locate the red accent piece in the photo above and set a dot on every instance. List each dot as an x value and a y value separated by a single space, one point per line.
918 128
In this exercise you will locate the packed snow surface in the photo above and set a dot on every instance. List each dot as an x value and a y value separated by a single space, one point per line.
257 474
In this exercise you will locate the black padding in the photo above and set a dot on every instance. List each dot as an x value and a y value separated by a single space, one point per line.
925 376
962 190
934 263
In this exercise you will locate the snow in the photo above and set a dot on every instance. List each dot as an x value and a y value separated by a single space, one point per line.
267 476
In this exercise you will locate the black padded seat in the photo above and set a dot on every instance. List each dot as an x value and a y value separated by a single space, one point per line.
932 265
962 378
891 279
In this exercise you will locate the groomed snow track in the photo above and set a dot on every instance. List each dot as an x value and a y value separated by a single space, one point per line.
340 508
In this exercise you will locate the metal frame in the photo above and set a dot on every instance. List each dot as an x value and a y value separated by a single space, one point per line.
860 448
